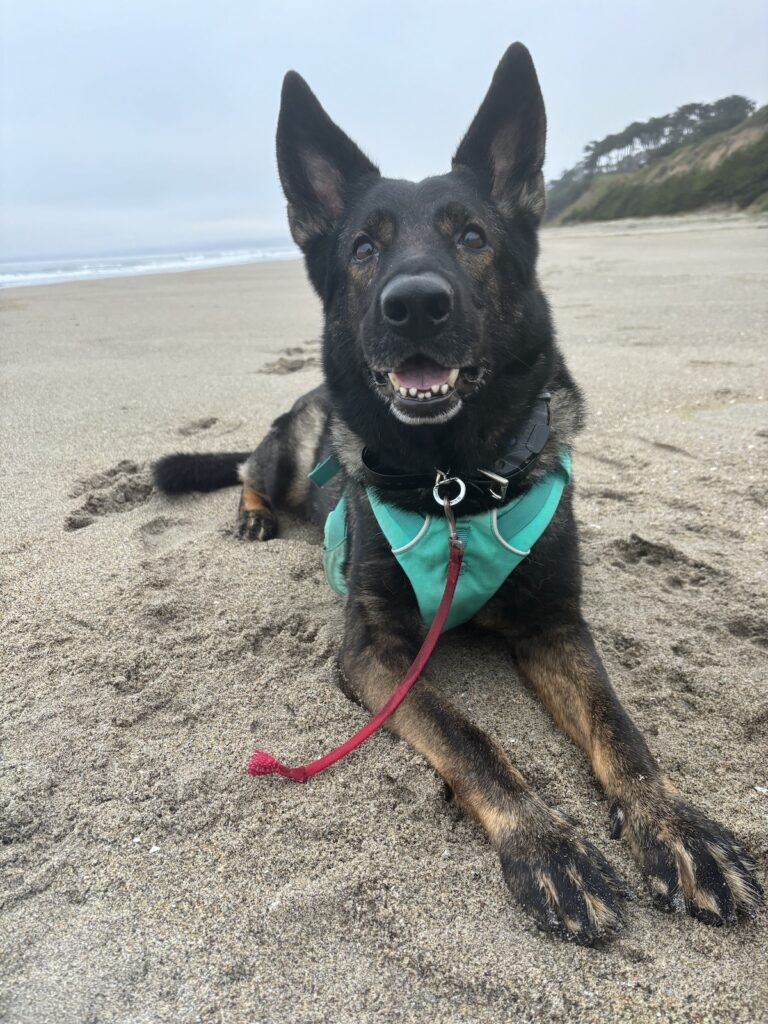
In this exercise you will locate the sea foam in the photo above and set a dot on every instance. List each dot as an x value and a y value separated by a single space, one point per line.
18 274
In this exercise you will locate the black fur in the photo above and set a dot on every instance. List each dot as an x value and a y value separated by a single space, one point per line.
183 472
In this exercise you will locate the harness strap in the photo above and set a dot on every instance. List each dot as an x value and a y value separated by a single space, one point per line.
262 763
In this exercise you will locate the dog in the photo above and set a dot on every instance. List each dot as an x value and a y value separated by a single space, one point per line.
439 354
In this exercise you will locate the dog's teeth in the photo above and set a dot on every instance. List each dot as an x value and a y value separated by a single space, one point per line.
453 376
422 395
413 392
403 392
444 389
393 380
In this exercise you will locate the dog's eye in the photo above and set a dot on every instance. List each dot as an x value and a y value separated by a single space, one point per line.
363 248
472 238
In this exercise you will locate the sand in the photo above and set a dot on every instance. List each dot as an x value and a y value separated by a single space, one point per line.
145 877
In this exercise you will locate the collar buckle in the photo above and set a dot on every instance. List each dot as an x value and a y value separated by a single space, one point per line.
501 481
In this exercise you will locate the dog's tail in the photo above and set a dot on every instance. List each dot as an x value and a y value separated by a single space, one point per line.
184 472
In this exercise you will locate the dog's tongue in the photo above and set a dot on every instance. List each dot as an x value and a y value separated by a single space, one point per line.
422 373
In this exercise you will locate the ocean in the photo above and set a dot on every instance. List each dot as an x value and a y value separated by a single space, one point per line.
16 274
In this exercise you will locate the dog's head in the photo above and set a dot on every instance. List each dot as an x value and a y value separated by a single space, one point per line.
429 288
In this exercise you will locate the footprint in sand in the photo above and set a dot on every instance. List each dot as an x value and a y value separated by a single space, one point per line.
119 489
606 493
211 425
749 628
293 359
290 364
638 553
163 532
197 426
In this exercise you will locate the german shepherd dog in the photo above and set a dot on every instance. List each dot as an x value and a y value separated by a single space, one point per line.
437 345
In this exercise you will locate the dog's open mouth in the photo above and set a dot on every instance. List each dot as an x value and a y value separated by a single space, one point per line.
421 388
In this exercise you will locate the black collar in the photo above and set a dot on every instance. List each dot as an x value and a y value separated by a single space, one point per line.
518 460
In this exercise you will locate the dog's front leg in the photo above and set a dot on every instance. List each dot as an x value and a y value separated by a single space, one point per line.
564 881
691 862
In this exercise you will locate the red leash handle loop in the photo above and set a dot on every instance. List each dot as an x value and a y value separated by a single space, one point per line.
262 763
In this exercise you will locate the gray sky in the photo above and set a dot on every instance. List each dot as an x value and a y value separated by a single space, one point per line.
139 125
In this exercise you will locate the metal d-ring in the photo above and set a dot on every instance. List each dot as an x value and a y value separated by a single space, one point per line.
449 480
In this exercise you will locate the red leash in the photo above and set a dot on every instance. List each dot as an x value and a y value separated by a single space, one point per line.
262 763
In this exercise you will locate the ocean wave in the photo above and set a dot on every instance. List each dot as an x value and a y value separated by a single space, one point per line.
15 275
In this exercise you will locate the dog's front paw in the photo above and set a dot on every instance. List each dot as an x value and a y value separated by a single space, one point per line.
256 524
692 863
563 880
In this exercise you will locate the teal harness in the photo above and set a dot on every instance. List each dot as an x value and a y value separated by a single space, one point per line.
495 542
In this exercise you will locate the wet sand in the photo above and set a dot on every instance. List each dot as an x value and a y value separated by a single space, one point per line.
145 877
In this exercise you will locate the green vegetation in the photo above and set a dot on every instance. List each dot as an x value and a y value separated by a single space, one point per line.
740 180
661 136
694 158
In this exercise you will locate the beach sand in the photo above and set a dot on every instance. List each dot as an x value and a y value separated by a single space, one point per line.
145 877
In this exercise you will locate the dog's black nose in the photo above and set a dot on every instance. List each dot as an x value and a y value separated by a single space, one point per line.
417 304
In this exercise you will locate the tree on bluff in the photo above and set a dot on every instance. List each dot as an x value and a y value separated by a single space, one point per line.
644 141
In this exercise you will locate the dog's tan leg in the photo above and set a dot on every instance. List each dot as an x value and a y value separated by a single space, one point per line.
275 476
563 880
256 519
690 861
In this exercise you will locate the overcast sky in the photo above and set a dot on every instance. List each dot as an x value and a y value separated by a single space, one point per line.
145 125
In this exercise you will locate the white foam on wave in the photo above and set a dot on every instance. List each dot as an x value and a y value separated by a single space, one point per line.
16 275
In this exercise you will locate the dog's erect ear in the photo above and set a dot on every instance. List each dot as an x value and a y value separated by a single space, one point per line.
505 143
318 163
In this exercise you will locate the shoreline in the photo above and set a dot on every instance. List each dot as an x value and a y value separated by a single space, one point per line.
142 265
638 226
